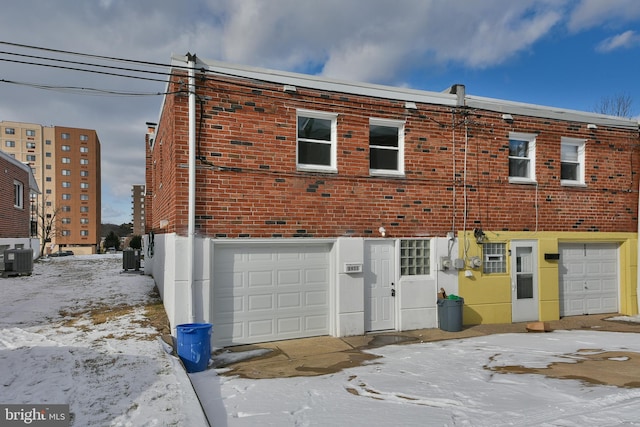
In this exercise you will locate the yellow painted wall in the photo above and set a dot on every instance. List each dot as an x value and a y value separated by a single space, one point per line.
487 297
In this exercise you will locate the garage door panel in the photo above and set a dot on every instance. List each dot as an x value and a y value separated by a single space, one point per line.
588 278
289 300
284 292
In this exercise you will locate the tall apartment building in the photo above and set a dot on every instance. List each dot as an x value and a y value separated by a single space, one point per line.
137 209
66 164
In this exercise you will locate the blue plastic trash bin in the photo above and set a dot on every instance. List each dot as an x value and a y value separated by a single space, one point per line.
194 345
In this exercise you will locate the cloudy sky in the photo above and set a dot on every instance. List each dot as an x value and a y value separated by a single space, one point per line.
563 53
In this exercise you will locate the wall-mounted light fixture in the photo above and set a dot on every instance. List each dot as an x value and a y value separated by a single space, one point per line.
507 117
479 235
410 105
382 231
592 126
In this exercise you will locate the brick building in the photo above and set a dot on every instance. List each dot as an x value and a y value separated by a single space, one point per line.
66 164
330 207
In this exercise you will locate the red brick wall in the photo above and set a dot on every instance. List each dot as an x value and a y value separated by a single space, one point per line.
248 185
14 222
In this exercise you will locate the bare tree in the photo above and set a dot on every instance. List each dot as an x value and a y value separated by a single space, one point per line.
620 105
47 218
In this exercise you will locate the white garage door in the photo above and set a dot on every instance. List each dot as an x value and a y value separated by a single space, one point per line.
588 278
270 292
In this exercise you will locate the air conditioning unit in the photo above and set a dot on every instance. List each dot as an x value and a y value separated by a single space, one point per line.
18 262
131 259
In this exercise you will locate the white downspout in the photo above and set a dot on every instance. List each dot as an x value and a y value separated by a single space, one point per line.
191 62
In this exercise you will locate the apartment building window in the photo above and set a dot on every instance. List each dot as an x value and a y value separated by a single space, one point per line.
65 136
66 184
18 194
47 191
47 142
84 173
522 157
48 179
31 145
31 132
386 146
47 166
66 148
84 161
66 196
48 203
84 137
66 220
317 135
495 260
415 257
66 160
65 208
66 233
84 149
84 221
47 154
31 157
84 209
66 172
84 233
84 197
10 131
572 164
84 185
10 144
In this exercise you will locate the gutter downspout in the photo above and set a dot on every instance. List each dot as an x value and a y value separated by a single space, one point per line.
191 63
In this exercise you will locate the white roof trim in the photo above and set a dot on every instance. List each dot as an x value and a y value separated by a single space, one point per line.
33 185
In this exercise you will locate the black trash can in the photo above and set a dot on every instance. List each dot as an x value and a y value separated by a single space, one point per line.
450 314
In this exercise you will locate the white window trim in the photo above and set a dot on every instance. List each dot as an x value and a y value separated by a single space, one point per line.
399 124
531 139
581 144
334 141
18 197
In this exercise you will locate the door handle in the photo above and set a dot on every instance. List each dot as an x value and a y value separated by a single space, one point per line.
393 292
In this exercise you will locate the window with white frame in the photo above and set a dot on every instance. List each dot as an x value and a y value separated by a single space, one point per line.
84 185
10 144
84 197
415 257
31 145
66 233
30 132
18 194
66 184
84 232
84 161
84 221
84 137
66 160
522 157
66 196
66 220
84 149
66 172
65 208
65 135
31 157
494 258
386 146
84 209
572 165
10 131
65 148
84 173
316 146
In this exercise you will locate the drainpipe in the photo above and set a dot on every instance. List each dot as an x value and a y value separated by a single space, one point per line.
191 63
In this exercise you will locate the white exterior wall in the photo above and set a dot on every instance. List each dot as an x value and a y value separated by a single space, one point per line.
26 242
416 297
349 288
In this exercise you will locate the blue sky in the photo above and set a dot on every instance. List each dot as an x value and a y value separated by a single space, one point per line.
561 53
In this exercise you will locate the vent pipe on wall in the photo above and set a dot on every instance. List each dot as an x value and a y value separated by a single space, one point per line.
191 61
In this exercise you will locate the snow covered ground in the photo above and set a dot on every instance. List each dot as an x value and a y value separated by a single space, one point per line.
448 383
62 342
75 332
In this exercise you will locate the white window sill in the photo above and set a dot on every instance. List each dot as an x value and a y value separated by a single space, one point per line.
566 183
308 168
517 180
383 173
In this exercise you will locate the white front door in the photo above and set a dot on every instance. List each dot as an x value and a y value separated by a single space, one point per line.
524 281
379 286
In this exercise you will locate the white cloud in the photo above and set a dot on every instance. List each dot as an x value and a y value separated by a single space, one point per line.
591 13
625 40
